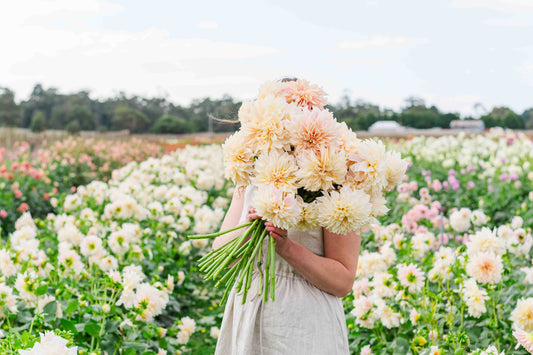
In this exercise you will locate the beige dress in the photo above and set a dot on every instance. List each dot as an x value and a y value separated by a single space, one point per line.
302 320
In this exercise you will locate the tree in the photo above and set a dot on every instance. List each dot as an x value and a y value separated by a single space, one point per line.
170 124
503 117
38 122
40 99
73 126
125 117
71 110
9 111
527 117
413 101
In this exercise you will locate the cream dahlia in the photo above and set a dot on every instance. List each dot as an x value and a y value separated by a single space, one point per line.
367 169
485 267
263 124
395 168
522 315
319 171
282 209
238 159
344 211
277 169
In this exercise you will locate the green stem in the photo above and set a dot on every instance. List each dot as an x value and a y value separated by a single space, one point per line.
225 262
206 262
216 252
214 235
228 275
267 279
272 270
244 273
259 269
250 263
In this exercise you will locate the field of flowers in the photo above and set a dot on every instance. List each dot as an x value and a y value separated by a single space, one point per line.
32 181
111 271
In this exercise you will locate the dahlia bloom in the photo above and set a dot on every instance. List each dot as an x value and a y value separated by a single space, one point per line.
522 315
282 209
524 338
411 277
313 130
50 344
319 171
485 267
304 94
339 213
238 163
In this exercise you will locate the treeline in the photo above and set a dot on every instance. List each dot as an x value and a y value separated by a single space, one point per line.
49 109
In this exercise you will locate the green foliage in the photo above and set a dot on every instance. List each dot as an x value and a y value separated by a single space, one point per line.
527 117
38 122
503 117
140 115
125 117
9 110
170 124
73 126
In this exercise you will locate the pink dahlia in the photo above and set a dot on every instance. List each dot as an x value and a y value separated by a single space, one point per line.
313 130
524 338
304 94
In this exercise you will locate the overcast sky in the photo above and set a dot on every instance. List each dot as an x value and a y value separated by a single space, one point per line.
452 53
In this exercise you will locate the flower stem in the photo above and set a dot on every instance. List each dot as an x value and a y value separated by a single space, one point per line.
232 251
272 261
214 235
250 263
267 271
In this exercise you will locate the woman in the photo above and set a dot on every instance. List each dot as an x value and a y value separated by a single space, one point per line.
314 269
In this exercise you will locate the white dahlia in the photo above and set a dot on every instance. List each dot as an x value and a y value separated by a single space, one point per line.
411 277
485 240
460 220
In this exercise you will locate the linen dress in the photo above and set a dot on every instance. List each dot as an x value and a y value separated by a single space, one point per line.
302 320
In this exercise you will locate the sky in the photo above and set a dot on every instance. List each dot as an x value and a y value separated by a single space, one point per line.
452 53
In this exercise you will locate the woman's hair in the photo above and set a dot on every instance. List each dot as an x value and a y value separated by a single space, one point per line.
288 78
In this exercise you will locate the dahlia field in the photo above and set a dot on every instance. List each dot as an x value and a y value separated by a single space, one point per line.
109 270
35 179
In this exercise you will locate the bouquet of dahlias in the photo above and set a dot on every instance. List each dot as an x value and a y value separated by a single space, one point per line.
310 171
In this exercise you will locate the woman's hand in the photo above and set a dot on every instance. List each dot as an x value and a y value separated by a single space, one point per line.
280 236
252 214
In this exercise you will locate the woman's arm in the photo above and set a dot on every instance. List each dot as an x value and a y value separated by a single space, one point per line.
335 271
232 218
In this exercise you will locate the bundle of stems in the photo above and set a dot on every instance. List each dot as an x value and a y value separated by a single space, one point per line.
233 262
